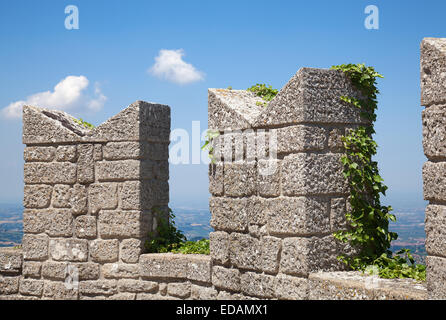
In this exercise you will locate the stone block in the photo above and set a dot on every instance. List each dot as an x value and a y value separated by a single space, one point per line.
104 250
35 221
55 270
291 288
85 226
313 174
433 71
9 285
136 195
300 256
434 181
120 270
216 177
297 216
244 251
269 254
436 277
49 173
121 170
226 278
228 214
240 178
123 150
435 230
78 199
31 287
157 151
130 250
97 152
39 154
180 290
60 291
121 224
301 138
60 223
35 247
219 246
85 167
258 285
32 269
75 250
268 178
202 293
102 196
37 196
66 153
338 209
98 287
62 196
434 132
161 170
10 260
137 286
87 270
335 143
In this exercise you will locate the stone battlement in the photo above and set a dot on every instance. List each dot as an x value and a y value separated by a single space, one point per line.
277 196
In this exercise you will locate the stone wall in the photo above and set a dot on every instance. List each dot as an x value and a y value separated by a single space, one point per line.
433 97
274 227
278 194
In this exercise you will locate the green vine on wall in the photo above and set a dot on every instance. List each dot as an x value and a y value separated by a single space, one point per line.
369 220
266 92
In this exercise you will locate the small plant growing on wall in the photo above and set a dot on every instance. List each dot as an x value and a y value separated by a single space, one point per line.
368 218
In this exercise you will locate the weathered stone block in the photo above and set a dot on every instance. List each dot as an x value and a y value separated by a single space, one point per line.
32 269
37 196
87 270
69 249
434 181
9 285
298 216
130 250
103 196
35 221
78 199
269 254
10 260
436 277
31 287
216 179
60 291
258 285
136 195
49 173
97 152
435 230
104 250
157 151
98 287
311 174
35 247
244 251
180 290
219 246
161 170
291 288
301 138
228 214
62 196
120 170
123 150
268 178
85 167
335 143
433 71
66 153
120 270
226 278
202 293
85 226
338 209
137 286
55 270
121 224
60 223
240 178
300 256
434 132
39 154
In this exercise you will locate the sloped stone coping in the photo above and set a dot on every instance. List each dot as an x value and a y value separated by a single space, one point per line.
195 267
358 286
11 260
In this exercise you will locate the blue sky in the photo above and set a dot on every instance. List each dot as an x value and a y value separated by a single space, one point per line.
236 43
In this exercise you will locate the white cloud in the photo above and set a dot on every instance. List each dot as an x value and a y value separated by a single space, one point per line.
169 65
69 93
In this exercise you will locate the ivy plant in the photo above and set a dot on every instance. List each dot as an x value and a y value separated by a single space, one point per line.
368 219
266 92
83 123
210 136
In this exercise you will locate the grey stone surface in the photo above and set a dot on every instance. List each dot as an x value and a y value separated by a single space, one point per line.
301 138
434 132
121 224
433 71
69 250
66 153
98 287
35 247
85 227
240 178
102 196
32 269
225 278
10 260
181 289
137 286
130 250
104 250
49 173
31 287
59 291
228 214
435 231
120 270
434 181
219 246
311 174
291 288
123 150
61 196
85 164
258 285
39 154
